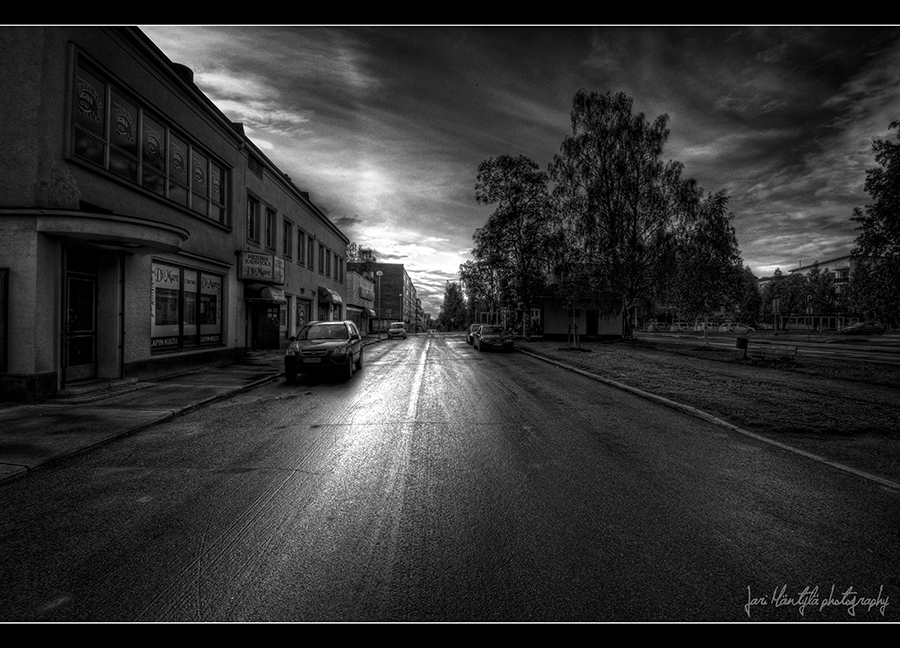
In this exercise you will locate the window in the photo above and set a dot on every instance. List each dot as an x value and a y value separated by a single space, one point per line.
287 240
310 252
340 276
185 308
321 259
115 132
252 219
328 263
301 247
270 228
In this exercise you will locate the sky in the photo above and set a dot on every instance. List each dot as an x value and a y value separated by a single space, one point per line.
385 125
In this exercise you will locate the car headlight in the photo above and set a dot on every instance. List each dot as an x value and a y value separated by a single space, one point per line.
290 351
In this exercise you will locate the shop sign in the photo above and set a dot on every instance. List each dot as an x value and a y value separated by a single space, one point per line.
261 267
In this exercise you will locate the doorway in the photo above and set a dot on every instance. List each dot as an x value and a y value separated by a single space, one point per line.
81 314
267 327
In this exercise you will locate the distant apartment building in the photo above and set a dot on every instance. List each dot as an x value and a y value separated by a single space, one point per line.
839 268
395 294
141 231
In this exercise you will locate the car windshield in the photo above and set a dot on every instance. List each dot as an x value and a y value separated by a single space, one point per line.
323 332
398 326
491 330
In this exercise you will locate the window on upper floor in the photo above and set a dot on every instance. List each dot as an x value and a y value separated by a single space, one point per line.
287 240
115 131
301 247
252 219
270 228
327 262
310 252
321 259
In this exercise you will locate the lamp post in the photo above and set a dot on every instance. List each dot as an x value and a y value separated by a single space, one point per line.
378 278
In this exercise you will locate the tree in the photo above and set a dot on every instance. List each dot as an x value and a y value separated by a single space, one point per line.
875 283
453 311
821 294
362 255
512 241
481 286
618 196
708 271
749 304
789 291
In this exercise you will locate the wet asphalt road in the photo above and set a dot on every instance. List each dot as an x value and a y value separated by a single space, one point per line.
444 484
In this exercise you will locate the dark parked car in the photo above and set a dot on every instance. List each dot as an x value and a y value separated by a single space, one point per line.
863 328
324 347
492 337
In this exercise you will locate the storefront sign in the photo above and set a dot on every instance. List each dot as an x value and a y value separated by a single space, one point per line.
261 267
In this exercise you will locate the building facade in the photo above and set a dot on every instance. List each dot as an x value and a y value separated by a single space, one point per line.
395 294
141 232
360 300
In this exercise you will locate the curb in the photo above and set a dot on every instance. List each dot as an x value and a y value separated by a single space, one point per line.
697 413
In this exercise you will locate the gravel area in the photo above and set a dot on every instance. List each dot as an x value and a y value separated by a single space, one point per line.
849 413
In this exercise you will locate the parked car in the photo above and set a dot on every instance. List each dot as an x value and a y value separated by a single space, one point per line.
396 330
680 326
863 328
324 347
705 326
492 337
470 335
736 327
655 326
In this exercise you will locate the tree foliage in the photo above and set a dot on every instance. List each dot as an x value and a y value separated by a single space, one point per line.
875 284
481 285
453 311
513 240
707 271
618 195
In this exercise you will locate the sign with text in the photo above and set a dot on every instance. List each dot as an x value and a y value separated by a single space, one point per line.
266 268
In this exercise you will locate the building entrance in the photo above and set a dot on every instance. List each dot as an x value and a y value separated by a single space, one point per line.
81 314
267 327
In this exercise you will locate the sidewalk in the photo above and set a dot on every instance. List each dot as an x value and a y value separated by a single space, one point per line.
32 435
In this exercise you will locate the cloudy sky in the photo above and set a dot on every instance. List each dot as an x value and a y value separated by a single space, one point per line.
385 126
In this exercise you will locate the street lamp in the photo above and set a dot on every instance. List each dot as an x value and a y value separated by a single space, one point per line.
378 277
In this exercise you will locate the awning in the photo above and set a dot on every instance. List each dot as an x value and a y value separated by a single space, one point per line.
273 294
327 296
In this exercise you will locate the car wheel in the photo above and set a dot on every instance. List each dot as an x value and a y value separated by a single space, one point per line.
359 363
348 370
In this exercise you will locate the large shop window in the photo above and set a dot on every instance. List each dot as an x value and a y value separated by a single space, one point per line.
186 308
115 132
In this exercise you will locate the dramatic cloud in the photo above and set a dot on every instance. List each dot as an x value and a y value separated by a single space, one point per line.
386 126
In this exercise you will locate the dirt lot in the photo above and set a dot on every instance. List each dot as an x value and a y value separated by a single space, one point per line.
849 413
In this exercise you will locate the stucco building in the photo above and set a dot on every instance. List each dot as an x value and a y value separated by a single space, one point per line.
141 231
